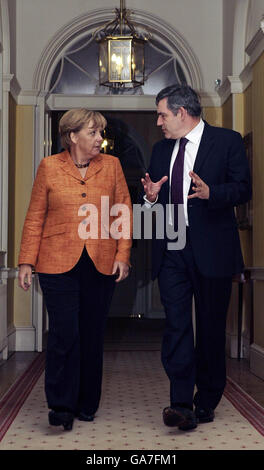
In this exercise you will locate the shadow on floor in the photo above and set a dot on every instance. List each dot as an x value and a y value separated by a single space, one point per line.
134 331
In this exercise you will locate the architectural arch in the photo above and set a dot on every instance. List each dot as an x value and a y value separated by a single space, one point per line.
78 28
240 36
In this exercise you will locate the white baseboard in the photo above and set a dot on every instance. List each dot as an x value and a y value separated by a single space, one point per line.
11 338
3 355
22 338
257 360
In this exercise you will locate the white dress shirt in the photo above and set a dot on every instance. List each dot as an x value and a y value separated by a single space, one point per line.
191 149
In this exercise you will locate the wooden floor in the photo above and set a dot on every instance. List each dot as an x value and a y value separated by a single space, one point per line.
134 334
239 371
13 368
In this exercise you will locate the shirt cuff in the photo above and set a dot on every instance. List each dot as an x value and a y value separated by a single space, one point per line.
149 204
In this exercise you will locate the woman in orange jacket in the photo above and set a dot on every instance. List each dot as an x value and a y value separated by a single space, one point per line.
78 259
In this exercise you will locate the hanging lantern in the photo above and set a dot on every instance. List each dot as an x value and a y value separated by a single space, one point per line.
121 52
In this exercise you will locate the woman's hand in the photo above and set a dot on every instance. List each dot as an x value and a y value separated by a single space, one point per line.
121 269
25 276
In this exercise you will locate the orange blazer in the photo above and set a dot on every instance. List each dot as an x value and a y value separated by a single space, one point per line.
51 239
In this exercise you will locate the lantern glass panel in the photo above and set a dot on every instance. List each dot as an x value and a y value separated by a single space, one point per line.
120 60
103 62
138 61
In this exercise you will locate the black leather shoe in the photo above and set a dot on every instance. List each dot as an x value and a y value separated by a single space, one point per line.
184 418
84 417
61 418
204 415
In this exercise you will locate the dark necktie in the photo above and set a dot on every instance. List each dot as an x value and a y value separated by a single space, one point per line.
177 179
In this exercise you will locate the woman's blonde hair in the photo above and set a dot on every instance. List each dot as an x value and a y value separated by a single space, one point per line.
75 119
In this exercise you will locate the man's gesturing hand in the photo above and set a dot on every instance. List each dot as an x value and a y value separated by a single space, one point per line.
201 189
152 189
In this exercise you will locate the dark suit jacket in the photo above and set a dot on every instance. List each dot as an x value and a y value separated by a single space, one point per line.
222 164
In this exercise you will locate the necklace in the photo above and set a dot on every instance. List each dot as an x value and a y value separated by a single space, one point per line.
82 165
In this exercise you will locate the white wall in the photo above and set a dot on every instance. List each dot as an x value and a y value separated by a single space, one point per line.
200 22
229 7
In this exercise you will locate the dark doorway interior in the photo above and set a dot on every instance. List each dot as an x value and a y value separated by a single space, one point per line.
133 134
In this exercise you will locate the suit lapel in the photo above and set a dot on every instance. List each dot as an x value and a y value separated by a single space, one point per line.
96 164
68 166
205 147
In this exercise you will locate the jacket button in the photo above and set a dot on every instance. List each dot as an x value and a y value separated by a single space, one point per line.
82 182
83 194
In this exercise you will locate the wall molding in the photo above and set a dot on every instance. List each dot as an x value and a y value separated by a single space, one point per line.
210 100
118 102
224 91
25 97
246 77
7 79
21 338
111 102
235 84
15 89
256 47
11 337
231 85
105 102
257 360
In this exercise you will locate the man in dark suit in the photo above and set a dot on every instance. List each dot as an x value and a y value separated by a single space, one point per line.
204 170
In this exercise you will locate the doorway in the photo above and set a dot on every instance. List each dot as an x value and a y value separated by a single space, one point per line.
132 135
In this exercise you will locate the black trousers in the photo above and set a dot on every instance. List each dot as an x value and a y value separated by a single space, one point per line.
188 364
77 302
